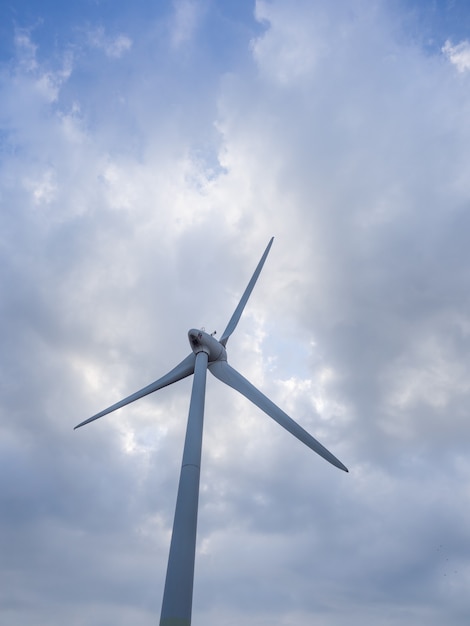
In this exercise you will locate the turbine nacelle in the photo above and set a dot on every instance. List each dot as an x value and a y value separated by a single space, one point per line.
200 341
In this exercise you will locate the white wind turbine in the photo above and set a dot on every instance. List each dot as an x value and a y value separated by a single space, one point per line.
207 353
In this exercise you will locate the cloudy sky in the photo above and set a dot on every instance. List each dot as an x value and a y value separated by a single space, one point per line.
149 150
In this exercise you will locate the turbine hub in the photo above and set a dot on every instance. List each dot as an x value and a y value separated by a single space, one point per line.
201 341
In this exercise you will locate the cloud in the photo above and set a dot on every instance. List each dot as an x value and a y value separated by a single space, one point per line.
458 55
187 14
291 46
137 197
114 47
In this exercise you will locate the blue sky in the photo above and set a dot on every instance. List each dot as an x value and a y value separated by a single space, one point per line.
148 151
224 24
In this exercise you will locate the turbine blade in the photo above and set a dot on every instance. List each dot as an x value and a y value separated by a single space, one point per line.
183 369
244 299
227 374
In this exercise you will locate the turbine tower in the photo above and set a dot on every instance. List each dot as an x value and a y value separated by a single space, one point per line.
208 353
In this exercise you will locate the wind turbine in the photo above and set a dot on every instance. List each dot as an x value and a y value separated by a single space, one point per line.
207 353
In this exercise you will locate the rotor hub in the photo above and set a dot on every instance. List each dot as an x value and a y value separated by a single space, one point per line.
200 341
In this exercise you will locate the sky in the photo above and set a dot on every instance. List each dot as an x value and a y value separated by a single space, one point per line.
148 152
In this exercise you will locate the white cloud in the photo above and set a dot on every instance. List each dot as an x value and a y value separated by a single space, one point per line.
187 14
42 189
113 46
458 55
291 50
26 50
47 82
